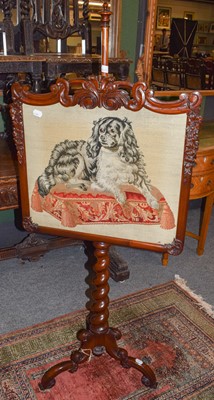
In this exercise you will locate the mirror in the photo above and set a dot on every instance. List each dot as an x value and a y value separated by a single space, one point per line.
204 33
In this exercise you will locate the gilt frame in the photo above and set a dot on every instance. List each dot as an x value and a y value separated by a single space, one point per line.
105 95
147 57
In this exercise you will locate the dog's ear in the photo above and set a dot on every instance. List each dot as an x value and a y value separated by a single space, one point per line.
127 123
93 144
129 150
97 122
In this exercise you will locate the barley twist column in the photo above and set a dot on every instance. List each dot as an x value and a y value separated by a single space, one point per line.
98 317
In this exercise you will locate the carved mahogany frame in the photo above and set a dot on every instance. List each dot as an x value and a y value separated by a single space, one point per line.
110 94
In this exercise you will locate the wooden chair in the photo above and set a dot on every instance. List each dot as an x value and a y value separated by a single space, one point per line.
195 74
158 74
174 74
37 21
209 74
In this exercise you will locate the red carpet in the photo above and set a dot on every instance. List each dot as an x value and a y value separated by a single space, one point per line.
165 326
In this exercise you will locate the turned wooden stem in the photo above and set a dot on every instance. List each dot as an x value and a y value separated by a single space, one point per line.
98 337
98 317
105 18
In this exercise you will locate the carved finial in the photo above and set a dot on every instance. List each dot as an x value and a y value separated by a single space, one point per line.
105 6
85 9
25 9
7 9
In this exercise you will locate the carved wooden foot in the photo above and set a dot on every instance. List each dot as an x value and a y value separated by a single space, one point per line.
98 337
48 379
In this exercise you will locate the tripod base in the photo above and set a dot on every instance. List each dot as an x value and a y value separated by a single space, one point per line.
98 337
98 344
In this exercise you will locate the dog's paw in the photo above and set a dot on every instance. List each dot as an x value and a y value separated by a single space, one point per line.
96 187
121 198
83 187
154 204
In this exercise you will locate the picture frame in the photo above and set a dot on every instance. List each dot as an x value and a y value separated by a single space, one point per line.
206 27
189 15
202 40
154 214
163 17
211 29
200 28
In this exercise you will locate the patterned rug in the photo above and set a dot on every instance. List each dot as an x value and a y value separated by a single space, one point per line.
167 326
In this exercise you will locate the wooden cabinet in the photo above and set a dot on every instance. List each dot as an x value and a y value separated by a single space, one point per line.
203 173
202 185
8 178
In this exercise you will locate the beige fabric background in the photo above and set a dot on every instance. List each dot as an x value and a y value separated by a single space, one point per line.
160 137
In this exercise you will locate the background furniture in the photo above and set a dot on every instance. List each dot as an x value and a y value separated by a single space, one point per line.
29 24
174 74
8 178
170 73
202 185
42 70
194 74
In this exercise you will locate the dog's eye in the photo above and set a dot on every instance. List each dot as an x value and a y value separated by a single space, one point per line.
113 131
101 130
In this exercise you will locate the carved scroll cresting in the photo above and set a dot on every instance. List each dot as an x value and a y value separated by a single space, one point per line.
110 94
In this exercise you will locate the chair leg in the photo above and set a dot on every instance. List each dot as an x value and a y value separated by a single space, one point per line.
205 223
165 259
209 202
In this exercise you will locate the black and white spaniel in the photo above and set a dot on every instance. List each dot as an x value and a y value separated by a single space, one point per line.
108 159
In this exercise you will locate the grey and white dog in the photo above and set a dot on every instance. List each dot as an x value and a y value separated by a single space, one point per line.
108 159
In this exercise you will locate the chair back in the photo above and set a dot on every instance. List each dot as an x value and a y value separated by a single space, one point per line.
195 74
38 21
158 74
174 74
